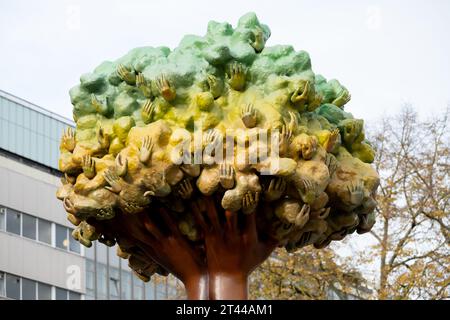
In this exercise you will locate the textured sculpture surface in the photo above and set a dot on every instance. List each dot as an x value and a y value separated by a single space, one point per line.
149 168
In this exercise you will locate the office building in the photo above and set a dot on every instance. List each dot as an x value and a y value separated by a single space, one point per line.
39 259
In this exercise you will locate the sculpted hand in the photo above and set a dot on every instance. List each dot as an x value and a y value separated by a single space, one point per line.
276 188
121 165
68 140
185 189
226 175
166 89
307 193
300 95
113 180
144 85
126 74
356 192
88 165
236 76
148 111
248 115
145 151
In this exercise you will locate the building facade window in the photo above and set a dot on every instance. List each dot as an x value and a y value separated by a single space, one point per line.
2 284
18 288
161 289
35 228
28 289
150 291
138 288
13 221
102 288
74 245
29 226
114 287
45 231
74 295
61 237
126 285
44 291
90 280
2 218
12 286
60 294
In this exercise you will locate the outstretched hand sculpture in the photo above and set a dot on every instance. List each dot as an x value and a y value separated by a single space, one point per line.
202 160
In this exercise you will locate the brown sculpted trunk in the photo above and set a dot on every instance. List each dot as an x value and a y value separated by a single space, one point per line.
229 286
197 287
217 269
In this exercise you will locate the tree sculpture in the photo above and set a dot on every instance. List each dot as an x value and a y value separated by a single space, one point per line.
201 160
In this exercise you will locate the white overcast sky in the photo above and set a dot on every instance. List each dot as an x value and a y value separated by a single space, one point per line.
387 53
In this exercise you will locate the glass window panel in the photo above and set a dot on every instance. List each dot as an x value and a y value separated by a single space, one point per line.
45 231
161 289
114 286
26 141
126 285
74 244
33 121
2 284
3 110
138 288
61 238
74 295
90 278
45 157
48 153
9 107
149 291
28 289
11 140
90 266
40 148
89 252
101 253
173 291
26 118
44 291
114 259
101 281
18 115
28 226
54 154
13 221
4 134
60 294
2 218
54 129
40 123
18 147
33 145
89 296
12 287
47 126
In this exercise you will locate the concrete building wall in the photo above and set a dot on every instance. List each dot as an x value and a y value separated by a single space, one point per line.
33 260
30 190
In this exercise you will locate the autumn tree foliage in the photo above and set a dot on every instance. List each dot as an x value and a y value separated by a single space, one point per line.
308 274
412 233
